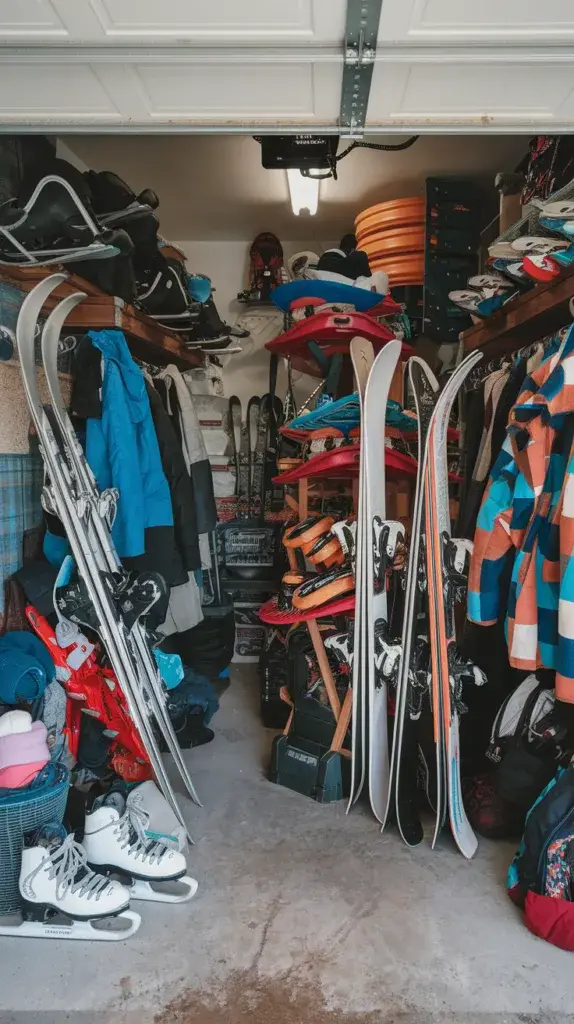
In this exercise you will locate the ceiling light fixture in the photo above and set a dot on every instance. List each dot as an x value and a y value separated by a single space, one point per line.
304 191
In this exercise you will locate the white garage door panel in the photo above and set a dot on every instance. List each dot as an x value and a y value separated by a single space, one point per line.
164 21
29 19
157 93
53 92
298 92
436 21
472 92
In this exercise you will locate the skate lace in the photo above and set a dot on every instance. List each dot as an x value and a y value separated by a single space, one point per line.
69 866
131 829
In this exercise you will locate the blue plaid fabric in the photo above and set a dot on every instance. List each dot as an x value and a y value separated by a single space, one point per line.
21 479
529 506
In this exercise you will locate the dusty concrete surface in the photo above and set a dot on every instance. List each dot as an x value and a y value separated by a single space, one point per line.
304 916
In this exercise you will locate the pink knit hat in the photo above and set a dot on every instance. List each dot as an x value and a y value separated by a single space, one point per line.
25 747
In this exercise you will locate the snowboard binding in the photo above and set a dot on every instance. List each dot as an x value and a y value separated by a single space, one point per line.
388 539
419 677
462 672
137 593
387 655
343 647
346 533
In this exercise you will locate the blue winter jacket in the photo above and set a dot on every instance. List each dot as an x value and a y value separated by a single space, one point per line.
122 447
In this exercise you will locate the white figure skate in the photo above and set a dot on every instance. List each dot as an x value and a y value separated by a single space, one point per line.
116 844
62 898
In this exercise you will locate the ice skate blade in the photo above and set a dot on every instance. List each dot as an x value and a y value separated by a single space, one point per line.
103 929
177 890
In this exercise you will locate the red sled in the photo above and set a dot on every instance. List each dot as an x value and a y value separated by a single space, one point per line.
333 332
345 461
270 613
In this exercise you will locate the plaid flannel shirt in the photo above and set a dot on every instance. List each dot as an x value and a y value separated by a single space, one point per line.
528 505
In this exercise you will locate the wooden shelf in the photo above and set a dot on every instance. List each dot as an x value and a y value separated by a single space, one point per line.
525 319
146 339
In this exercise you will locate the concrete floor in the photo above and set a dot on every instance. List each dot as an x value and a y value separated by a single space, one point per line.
303 916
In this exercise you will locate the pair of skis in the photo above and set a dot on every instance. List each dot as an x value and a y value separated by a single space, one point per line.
87 516
255 471
430 547
375 544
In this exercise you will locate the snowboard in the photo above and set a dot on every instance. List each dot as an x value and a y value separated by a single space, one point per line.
362 358
431 408
441 613
373 516
403 792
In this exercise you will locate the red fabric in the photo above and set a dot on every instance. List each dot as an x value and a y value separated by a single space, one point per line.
550 919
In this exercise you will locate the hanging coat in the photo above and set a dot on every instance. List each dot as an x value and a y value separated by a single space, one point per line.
122 448
179 481
529 506
193 449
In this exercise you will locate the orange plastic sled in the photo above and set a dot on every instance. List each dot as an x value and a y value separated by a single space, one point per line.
393 212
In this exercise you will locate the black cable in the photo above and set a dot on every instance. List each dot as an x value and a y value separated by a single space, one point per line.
382 146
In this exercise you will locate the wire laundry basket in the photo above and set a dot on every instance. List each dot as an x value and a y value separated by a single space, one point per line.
23 811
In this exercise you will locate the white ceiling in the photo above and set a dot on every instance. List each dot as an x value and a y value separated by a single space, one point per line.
213 187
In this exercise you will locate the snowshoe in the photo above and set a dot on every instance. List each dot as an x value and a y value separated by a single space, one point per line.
265 272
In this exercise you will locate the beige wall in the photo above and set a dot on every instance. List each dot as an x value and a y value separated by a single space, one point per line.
226 263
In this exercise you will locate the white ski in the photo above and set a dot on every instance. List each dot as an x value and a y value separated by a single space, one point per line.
374 514
100 536
85 515
437 498
362 357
